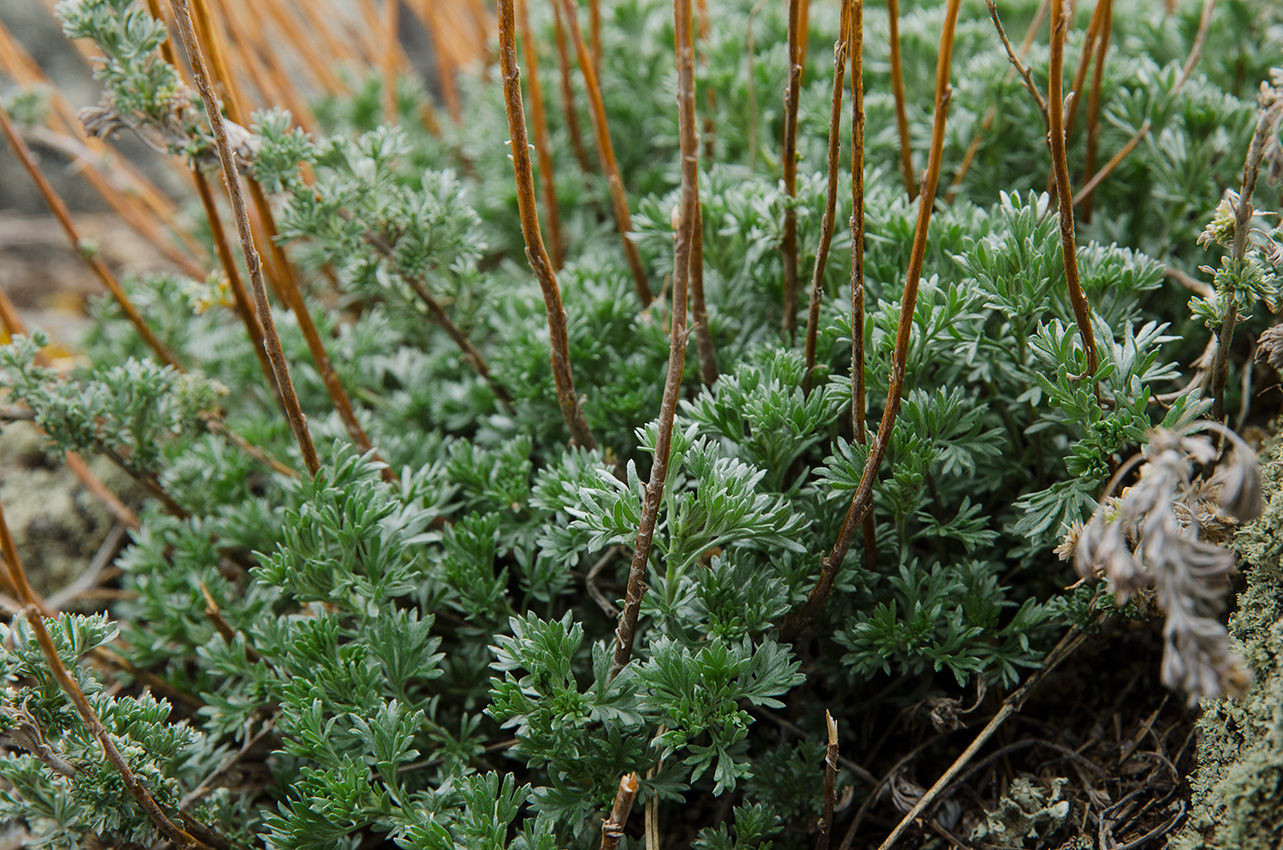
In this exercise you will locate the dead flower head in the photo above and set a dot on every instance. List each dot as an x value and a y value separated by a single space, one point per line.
1158 534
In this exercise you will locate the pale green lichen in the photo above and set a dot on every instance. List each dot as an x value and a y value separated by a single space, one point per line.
1238 787
1028 811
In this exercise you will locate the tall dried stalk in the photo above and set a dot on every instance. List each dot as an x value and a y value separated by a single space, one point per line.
568 92
626 631
862 500
31 609
830 203
606 154
901 110
571 409
240 213
1060 167
830 781
542 143
612 828
391 41
1093 99
792 91
708 371
95 263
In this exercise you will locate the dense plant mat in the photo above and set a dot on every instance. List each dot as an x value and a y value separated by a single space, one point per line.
438 538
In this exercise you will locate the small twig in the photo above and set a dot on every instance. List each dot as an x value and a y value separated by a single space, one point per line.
231 174
606 153
1060 167
901 111
1267 121
708 371
1093 98
590 582
1017 63
568 93
194 795
830 203
612 828
542 143
31 608
88 579
571 409
1195 52
862 499
830 781
59 209
677 336
1068 644
792 91
224 629
752 87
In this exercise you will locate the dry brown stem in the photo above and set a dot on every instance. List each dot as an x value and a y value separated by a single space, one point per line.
1060 168
862 500
830 781
606 154
901 110
571 409
294 413
1093 98
612 828
792 91
626 631
568 92
31 608
542 143
830 204
56 205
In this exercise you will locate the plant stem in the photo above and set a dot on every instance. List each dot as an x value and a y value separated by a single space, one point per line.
830 203
568 92
830 781
901 111
682 36
231 175
31 608
391 28
606 154
1093 98
95 263
792 91
1060 168
862 500
612 829
542 144
571 409
708 371
1266 122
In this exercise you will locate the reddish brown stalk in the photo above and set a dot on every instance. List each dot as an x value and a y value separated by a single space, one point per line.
1060 167
803 30
626 631
858 391
992 114
1195 53
31 608
830 204
830 781
594 31
901 111
606 155
1017 66
568 92
1093 98
231 174
571 409
612 828
542 143
862 500
95 263
788 245
1090 42
211 37
704 29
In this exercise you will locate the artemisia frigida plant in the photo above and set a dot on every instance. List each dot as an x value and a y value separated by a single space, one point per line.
444 541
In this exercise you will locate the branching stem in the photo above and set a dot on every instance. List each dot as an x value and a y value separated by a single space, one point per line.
626 631
862 500
552 211
536 254
792 91
901 110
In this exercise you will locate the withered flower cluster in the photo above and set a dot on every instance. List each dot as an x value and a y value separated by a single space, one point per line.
1163 533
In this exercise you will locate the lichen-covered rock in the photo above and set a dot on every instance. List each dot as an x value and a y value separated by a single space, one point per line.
1238 787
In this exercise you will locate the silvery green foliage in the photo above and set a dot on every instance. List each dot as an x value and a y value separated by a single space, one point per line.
424 662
